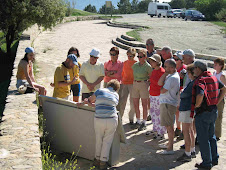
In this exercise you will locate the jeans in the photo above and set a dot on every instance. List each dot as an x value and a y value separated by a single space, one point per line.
205 127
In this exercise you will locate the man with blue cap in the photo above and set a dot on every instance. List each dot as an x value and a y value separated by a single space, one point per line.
62 82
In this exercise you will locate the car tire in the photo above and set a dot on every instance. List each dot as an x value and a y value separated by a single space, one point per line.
159 15
185 18
175 16
167 16
151 16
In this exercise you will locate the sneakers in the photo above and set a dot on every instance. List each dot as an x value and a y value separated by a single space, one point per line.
142 127
131 122
165 152
148 133
200 166
184 158
180 137
193 154
96 163
177 132
159 137
163 146
103 165
149 118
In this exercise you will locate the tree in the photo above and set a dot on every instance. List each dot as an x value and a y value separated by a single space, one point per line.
124 7
210 7
189 3
18 15
143 5
134 6
104 10
177 4
90 8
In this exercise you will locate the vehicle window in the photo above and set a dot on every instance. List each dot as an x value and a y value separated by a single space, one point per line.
160 7
196 12
166 7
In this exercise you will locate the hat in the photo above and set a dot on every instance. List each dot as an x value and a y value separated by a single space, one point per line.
95 52
179 54
201 65
156 58
73 58
29 50
189 52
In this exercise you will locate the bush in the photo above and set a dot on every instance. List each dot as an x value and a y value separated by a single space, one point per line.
210 7
221 15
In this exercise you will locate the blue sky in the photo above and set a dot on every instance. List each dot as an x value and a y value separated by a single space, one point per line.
81 4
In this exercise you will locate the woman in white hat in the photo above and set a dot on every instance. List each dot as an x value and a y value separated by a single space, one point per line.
25 75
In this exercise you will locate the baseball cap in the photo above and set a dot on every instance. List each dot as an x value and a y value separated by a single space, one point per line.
201 65
156 58
95 52
29 50
179 54
189 52
73 58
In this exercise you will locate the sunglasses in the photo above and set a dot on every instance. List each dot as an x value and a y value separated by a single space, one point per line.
112 54
130 56
93 57
176 59
140 56
149 44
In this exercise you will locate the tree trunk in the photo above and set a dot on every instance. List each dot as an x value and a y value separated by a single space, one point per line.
9 40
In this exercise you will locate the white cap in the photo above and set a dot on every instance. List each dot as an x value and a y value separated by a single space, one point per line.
189 52
95 52
179 54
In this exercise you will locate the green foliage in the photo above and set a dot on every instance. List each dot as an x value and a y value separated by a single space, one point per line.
134 6
221 24
18 15
135 34
221 15
124 7
143 6
77 12
210 7
189 4
90 8
104 10
177 3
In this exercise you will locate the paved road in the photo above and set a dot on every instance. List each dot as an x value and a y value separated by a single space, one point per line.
203 37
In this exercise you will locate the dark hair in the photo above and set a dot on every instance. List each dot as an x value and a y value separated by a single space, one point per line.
171 62
25 57
151 41
114 84
115 49
220 61
73 49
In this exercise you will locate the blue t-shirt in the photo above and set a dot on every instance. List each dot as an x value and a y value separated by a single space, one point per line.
106 101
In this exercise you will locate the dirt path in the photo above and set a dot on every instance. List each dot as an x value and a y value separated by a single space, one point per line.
203 37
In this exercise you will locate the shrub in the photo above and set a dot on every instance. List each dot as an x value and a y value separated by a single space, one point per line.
221 15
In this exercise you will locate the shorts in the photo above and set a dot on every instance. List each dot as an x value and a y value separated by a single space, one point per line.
167 114
22 82
76 88
140 90
184 116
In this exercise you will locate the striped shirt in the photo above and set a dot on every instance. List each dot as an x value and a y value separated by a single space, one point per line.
106 102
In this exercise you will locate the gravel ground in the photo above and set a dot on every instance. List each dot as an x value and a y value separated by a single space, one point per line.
201 36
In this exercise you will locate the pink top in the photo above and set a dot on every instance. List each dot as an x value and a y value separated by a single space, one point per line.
117 67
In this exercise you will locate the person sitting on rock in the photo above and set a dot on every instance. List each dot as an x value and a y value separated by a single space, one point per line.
25 75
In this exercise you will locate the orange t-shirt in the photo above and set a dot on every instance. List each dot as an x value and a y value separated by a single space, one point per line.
127 72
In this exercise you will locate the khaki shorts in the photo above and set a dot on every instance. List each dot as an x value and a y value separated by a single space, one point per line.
140 90
167 114
184 117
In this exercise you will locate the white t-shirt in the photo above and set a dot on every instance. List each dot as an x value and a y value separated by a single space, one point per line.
91 73
172 84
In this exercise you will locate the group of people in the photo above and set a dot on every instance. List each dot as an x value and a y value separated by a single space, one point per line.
172 88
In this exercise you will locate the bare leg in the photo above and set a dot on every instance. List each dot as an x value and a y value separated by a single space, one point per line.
75 98
145 108
170 133
187 137
136 107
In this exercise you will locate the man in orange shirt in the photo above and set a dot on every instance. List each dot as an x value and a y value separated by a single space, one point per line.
127 84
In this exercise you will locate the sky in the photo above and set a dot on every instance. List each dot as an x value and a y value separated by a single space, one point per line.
81 4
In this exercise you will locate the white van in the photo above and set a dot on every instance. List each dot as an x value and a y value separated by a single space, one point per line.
158 9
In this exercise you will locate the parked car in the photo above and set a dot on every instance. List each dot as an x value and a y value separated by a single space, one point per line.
177 12
170 14
158 9
194 15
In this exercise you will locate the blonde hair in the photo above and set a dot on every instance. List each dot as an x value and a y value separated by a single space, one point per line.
114 84
132 51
